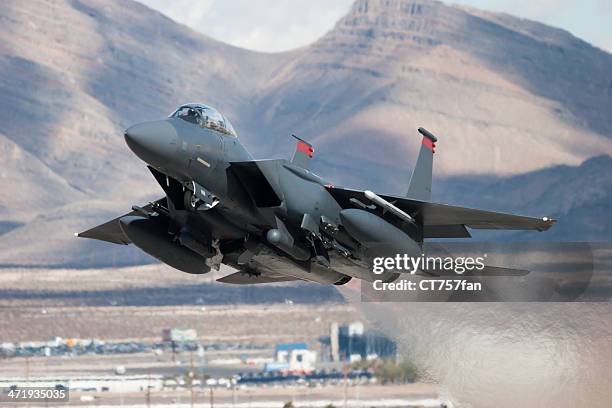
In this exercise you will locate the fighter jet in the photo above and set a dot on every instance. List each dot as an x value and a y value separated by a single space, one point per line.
275 220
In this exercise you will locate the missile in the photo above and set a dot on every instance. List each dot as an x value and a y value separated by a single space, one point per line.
378 200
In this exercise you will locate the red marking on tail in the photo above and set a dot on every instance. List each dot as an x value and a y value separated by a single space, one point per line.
304 148
429 144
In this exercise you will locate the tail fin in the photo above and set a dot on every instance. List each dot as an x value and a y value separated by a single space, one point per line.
303 153
420 182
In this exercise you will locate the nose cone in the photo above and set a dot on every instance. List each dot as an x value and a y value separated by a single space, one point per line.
153 142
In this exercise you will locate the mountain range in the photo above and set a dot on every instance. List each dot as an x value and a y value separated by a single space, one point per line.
522 111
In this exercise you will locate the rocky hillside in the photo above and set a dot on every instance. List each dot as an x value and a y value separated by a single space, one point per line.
75 74
506 96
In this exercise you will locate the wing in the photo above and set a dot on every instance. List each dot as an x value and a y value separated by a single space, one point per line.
447 221
110 230
246 278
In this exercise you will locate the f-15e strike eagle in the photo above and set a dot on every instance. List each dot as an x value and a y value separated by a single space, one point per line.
275 220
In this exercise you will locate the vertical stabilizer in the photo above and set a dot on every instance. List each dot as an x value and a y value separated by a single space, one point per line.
303 153
420 182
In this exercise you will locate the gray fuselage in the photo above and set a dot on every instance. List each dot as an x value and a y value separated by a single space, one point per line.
198 157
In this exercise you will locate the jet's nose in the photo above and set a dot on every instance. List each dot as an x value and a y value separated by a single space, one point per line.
153 142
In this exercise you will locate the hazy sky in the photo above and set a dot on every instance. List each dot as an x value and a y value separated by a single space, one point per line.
277 25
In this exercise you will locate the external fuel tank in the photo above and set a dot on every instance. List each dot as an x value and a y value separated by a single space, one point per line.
153 238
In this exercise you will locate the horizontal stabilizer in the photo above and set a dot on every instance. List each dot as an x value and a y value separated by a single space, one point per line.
486 271
245 278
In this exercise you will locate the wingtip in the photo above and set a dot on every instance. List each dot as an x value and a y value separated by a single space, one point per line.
549 223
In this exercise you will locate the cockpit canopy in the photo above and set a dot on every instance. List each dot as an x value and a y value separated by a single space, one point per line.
205 116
